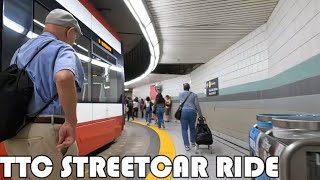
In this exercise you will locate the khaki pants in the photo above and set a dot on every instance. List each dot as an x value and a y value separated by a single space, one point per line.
39 139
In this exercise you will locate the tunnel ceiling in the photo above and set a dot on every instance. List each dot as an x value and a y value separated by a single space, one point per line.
193 31
181 69
120 19
135 48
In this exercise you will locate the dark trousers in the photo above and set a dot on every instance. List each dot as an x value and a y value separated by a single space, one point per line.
130 114
135 112
142 113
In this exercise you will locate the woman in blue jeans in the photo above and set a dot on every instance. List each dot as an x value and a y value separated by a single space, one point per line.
189 115
159 107
148 110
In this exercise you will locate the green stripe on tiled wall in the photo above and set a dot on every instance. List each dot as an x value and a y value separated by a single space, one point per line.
307 69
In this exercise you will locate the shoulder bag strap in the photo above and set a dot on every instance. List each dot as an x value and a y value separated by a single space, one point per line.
54 97
35 54
185 100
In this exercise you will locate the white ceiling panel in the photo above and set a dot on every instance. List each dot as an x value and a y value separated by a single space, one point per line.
193 31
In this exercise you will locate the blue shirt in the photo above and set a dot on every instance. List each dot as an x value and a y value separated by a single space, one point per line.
53 58
191 103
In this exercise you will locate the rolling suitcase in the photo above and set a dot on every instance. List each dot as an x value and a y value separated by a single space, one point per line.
204 135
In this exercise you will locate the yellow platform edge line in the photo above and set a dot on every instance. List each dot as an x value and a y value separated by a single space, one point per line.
166 147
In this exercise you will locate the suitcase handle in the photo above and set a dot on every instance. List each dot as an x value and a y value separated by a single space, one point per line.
202 120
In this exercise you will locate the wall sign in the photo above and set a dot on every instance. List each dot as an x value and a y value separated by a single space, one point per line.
212 87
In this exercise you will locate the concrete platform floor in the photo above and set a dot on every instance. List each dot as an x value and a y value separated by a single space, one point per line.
137 139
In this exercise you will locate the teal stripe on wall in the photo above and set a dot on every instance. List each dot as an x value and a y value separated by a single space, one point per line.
307 69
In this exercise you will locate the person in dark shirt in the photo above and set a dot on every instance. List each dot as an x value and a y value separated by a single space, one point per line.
142 107
130 109
160 109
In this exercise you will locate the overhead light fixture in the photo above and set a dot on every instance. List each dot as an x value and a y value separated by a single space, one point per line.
152 34
156 62
116 68
157 50
106 65
141 15
132 11
100 63
152 62
126 89
83 57
141 11
38 22
31 35
145 34
86 50
151 50
157 55
13 25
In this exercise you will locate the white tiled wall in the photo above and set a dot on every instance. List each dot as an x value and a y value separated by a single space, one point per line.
291 36
294 31
173 87
245 61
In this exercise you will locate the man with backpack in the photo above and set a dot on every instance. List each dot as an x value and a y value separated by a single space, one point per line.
57 75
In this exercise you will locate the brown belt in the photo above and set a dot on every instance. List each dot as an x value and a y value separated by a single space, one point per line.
54 120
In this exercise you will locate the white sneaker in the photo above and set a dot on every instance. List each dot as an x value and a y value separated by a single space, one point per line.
187 148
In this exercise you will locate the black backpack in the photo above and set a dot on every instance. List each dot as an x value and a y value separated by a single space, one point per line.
204 136
16 91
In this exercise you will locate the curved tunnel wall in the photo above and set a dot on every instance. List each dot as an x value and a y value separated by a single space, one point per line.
273 69
137 60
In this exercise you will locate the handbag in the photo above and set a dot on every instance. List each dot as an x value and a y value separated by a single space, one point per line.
177 115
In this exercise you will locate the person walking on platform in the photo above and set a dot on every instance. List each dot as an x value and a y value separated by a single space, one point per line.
142 107
159 108
168 108
189 115
57 75
148 110
135 107
130 109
